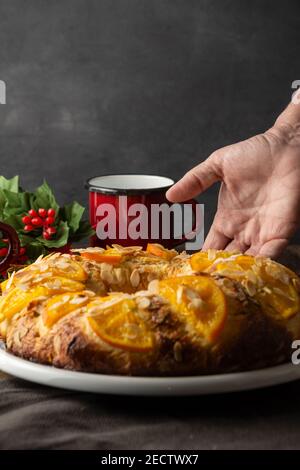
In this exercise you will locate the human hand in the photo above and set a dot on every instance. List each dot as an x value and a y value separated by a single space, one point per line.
259 200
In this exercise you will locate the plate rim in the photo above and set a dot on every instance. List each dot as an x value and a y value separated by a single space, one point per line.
143 385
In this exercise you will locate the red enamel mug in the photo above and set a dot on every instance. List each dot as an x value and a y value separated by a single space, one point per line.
132 209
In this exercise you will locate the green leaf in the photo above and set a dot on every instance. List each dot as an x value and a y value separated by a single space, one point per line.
10 184
35 249
25 239
61 237
72 214
84 231
44 197
15 221
12 199
13 203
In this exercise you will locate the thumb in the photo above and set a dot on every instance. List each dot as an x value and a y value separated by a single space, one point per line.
197 180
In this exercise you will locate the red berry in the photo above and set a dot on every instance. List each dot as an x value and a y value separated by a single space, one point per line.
42 213
28 228
32 213
50 220
51 212
46 235
3 251
51 230
22 250
26 219
37 221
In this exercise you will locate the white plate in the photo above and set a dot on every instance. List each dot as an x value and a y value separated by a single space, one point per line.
155 386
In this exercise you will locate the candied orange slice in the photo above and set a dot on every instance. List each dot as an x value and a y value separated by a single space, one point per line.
200 262
17 299
237 267
200 299
69 268
245 261
110 258
158 250
54 284
60 305
121 327
285 302
3 285
279 292
57 284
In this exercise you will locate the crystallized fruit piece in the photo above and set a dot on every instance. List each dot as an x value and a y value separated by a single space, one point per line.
268 282
158 250
198 298
17 299
280 291
70 268
122 328
53 283
57 284
103 257
203 260
60 305
200 262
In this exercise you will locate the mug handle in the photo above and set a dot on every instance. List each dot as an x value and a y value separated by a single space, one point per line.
195 227
13 246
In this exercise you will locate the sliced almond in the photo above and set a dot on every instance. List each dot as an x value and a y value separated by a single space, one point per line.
120 275
57 344
250 287
211 254
191 293
267 290
177 350
10 280
78 300
296 283
153 286
179 294
135 278
106 273
44 267
143 302
197 304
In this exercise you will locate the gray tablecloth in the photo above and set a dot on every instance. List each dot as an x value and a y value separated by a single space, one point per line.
36 417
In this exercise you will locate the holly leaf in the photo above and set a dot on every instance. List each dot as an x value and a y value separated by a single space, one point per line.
61 237
25 239
15 221
10 184
14 203
84 231
44 197
35 249
72 214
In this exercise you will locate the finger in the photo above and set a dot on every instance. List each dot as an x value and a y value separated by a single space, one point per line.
197 180
215 239
235 245
270 249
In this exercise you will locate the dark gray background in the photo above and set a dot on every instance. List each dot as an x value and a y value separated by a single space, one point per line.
97 86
